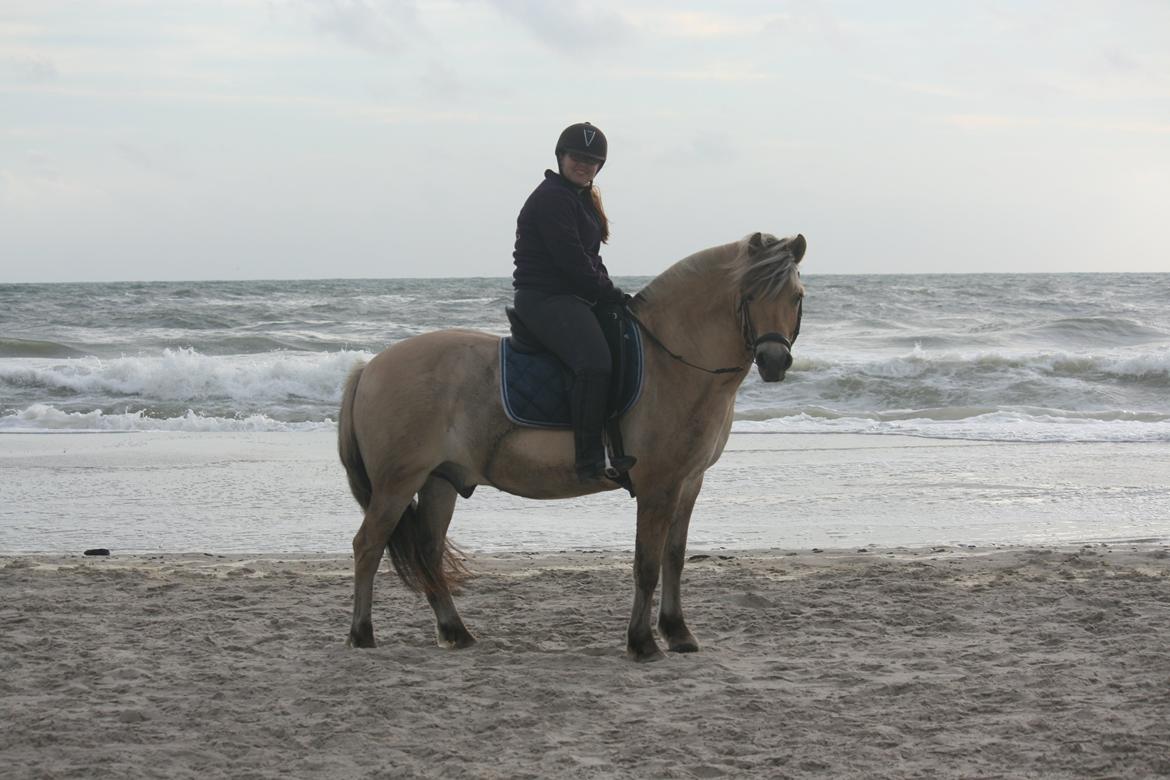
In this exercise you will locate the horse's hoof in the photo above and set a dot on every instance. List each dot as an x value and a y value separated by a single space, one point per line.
645 655
455 640
677 636
363 637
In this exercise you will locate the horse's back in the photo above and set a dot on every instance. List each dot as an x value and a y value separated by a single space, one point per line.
442 364
431 354
432 394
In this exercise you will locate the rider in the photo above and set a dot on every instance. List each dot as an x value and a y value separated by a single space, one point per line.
559 277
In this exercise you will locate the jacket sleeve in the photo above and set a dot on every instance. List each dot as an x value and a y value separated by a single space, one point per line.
557 223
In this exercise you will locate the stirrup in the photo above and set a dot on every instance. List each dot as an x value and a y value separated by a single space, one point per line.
615 470
617 467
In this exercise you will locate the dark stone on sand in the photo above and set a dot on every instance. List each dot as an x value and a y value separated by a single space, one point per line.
817 550
694 558
97 551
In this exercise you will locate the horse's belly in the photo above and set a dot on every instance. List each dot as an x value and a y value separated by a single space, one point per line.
536 463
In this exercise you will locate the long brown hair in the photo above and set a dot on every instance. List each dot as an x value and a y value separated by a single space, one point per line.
602 220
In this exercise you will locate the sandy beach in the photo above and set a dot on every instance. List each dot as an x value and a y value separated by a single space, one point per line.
1040 662
913 608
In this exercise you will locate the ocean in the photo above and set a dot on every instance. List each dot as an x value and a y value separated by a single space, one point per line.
964 410
989 357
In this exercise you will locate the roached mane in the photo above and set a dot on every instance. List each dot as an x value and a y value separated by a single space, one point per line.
765 266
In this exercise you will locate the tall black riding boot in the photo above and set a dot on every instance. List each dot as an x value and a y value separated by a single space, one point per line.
587 405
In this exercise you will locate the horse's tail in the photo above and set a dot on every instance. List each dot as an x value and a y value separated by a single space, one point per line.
413 544
420 565
347 445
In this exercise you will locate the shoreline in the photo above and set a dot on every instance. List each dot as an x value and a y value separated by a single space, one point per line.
1123 547
235 493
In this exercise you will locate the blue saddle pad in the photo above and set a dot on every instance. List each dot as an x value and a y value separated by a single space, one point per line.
535 386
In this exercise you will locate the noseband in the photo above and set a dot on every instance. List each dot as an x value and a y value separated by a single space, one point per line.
751 341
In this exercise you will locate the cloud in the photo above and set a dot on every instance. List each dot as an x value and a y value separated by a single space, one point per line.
441 82
700 25
810 22
991 121
1121 61
709 71
136 155
570 26
916 87
702 147
1116 124
28 70
378 26
38 185
41 165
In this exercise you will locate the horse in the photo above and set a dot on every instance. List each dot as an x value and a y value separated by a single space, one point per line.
422 423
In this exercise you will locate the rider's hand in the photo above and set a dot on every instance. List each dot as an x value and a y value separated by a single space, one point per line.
614 295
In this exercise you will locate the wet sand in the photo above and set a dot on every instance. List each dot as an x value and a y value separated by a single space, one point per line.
286 492
1026 662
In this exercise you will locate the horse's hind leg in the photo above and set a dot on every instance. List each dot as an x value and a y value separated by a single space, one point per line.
381 519
671 624
436 504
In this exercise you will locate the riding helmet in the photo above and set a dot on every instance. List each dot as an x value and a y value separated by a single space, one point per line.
583 138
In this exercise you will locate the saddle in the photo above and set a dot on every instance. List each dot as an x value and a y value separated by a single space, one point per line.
535 385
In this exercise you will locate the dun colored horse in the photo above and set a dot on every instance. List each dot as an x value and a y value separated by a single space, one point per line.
424 419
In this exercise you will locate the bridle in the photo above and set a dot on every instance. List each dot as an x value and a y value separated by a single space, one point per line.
750 339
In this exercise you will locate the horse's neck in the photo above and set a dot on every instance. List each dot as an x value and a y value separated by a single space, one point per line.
692 309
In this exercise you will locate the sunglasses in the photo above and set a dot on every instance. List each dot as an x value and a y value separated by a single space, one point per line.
584 159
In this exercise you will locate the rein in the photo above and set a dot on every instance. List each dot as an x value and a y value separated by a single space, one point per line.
751 340
658 342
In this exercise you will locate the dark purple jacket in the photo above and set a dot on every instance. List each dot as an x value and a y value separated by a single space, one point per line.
558 237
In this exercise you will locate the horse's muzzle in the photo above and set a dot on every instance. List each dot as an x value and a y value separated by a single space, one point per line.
773 360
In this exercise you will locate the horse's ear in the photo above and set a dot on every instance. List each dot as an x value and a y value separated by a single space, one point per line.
755 243
799 245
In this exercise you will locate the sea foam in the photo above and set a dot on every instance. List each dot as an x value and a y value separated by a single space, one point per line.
40 418
990 356
183 374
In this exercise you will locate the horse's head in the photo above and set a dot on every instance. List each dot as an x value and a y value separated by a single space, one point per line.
771 300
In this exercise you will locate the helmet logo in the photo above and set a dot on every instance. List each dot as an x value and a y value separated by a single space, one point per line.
590 134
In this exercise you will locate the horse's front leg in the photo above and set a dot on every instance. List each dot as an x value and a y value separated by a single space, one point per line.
671 624
654 515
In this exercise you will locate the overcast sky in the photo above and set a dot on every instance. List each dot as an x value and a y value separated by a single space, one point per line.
205 139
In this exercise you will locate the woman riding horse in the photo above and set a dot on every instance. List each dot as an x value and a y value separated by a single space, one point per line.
559 277
423 423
